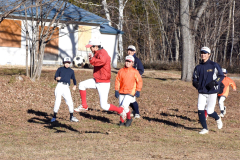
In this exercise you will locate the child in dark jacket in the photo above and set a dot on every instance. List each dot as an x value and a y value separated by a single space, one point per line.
207 77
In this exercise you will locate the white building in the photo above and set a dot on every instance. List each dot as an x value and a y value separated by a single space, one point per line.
70 40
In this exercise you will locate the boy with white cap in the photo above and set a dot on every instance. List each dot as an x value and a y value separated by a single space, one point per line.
101 81
224 91
131 50
63 76
128 84
207 77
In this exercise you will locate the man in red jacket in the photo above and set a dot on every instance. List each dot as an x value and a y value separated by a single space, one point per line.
101 81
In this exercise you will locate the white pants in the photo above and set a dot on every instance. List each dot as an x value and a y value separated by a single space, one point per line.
207 101
63 90
125 100
103 90
221 102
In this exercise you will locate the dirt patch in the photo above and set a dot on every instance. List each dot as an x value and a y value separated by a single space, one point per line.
168 128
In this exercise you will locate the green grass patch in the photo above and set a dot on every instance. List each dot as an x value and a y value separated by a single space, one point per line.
12 71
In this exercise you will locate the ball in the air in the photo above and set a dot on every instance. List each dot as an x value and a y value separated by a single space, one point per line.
78 61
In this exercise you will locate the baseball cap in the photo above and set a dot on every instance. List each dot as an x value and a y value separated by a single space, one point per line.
130 58
67 60
224 71
205 50
132 48
93 42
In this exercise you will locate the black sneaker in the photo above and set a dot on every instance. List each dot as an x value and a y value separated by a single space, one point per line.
128 123
121 124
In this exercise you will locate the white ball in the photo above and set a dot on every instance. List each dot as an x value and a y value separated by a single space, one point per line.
78 61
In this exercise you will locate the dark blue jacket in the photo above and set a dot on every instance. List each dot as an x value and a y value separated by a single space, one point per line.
205 73
138 65
66 74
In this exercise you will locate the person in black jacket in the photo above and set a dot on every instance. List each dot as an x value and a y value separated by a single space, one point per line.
63 76
139 66
207 77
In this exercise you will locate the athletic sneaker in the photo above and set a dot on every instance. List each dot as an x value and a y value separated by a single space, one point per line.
53 119
123 115
128 123
203 131
137 116
132 114
219 123
121 124
80 108
224 112
221 115
74 119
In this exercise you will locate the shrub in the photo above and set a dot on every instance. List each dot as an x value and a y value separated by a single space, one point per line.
160 65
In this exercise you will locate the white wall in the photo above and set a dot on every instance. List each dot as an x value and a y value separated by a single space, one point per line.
68 39
109 43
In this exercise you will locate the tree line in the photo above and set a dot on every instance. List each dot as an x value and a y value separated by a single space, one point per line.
163 31
156 28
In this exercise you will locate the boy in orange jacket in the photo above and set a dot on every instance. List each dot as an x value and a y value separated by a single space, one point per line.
128 84
224 91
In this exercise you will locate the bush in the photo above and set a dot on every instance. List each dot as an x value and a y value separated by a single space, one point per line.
160 65
233 69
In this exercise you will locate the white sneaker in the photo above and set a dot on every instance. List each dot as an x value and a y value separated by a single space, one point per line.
219 123
132 114
203 131
123 115
74 119
137 116
221 115
80 108
224 110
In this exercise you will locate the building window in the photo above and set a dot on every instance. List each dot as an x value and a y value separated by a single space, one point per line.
10 33
84 35
52 45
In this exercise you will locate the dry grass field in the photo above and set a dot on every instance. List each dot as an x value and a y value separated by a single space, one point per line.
168 128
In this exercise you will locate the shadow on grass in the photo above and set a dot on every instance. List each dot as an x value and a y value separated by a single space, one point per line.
174 115
55 125
99 118
103 111
170 123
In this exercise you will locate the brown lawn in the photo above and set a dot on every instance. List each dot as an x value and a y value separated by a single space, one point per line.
168 128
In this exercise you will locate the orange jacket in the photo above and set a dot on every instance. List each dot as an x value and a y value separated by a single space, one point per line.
227 81
128 81
102 66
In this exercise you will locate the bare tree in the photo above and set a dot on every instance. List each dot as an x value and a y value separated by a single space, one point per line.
188 31
41 30
9 7
122 5
227 36
105 7
231 63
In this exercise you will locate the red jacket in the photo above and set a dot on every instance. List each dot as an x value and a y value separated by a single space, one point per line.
128 81
102 66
